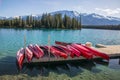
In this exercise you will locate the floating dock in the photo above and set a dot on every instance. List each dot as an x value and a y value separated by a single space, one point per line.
112 50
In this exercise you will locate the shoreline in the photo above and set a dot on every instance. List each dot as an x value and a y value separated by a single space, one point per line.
104 27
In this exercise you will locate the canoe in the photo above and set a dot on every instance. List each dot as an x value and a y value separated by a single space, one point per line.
28 54
88 49
46 52
74 51
66 50
63 48
51 52
39 50
64 43
20 57
97 53
57 52
84 52
33 49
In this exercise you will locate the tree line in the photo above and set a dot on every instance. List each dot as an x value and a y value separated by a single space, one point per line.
110 27
45 21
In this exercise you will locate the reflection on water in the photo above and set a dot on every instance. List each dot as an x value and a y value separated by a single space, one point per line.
115 63
8 67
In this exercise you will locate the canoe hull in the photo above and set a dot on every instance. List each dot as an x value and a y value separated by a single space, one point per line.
28 54
35 53
20 58
74 51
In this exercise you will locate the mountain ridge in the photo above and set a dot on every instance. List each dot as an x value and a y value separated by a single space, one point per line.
86 19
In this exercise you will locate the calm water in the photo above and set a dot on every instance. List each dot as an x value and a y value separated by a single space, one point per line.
12 40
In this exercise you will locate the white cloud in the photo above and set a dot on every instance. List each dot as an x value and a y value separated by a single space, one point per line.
109 11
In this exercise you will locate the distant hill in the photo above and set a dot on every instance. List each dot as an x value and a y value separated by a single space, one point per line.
86 19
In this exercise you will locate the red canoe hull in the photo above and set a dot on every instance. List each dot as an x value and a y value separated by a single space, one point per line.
28 54
73 51
20 57
97 53
57 52
35 53
39 50
85 52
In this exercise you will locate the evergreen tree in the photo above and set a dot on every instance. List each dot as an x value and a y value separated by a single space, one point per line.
46 21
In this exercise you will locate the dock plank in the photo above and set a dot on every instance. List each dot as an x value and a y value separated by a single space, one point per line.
111 50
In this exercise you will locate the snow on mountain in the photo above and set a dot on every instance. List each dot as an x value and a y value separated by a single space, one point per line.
96 19
97 16
87 19
90 19
68 13
101 16
113 18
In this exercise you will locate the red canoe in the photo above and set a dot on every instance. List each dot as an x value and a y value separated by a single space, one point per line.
35 52
39 50
85 52
48 50
20 57
74 51
97 53
64 49
88 49
28 54
62 43
57 52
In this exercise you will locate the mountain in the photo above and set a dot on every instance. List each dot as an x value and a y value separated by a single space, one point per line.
90 19
68 13
86 19
95 19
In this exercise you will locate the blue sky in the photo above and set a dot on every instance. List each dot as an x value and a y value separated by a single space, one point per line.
25 7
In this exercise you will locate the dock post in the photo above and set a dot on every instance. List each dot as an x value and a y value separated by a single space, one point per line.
24 41
25 45
49 47
48 52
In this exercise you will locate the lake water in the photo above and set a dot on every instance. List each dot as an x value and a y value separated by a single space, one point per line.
11 40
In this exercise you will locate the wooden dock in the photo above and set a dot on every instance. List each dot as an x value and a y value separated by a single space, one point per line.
111 50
